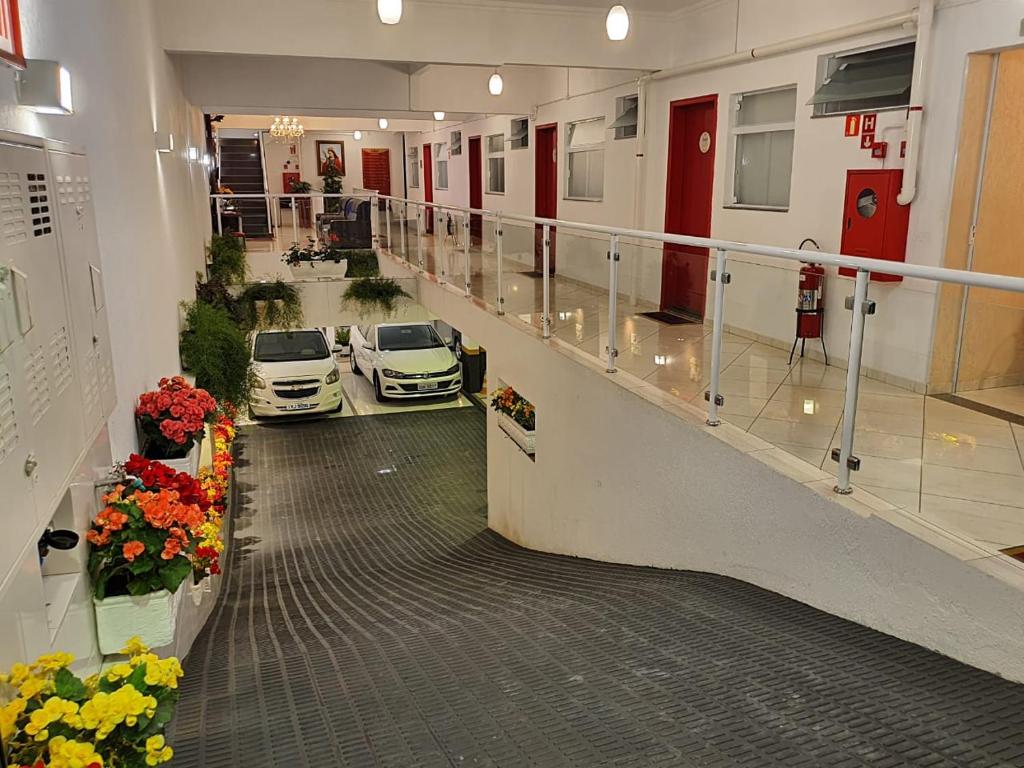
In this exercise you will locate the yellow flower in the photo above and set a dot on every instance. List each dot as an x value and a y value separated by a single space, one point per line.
53 709
18 674
54 661
105 711
119 671
9 715
135 647
164 672
33 686
72 754
157 751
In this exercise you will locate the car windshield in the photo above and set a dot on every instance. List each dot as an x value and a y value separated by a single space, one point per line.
394 338
288 346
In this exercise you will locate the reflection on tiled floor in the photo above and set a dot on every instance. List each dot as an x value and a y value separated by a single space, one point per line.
1004 398
959 468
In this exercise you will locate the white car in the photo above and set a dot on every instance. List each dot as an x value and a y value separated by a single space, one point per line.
295 373
405 360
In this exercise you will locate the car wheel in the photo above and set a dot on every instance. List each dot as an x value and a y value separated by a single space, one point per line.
376 388
354 364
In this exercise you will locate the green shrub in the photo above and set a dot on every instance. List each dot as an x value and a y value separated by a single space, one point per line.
282 307
361 263
227 260
216 294
217 352
371 293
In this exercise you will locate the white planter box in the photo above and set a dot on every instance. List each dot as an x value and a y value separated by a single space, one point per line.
320 268
187 463
524 439
152 617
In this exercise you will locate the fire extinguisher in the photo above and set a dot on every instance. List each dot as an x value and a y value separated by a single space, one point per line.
810 308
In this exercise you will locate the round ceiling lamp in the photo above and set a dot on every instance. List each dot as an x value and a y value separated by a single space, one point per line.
439 115
617 23
357 135
383 123
389 11
495 85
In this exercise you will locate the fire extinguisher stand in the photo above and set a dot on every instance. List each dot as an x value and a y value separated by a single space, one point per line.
810 309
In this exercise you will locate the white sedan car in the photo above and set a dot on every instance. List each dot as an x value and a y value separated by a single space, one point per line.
405 360
295 373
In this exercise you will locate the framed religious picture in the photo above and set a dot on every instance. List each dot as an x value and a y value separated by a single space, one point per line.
10 34
330 154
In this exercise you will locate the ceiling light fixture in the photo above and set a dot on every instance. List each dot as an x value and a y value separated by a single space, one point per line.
45 87
617 23
495 85
389 11
357 135
286 128
439 115
383 123
193 154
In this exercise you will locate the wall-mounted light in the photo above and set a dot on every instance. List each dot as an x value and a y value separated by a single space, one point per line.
164 142
439 115
383 123
389 11
193 154
617 23
207 160
357 135
495 85
45 87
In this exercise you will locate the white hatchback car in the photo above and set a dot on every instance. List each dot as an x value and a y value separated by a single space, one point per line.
405 360
295 373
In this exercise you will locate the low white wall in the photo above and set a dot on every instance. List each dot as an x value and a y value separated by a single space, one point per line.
620 479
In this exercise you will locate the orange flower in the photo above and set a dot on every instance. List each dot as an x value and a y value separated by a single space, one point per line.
132 549
98 538
171 548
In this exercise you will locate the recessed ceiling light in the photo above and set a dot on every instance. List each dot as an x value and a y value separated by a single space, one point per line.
383 123
357 135
617 23
439 115
389 11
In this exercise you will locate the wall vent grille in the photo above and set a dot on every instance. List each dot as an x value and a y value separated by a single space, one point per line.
8 420
38 383
92 384
39 202
12 209
60 357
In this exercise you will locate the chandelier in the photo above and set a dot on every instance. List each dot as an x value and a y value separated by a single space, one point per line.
286 128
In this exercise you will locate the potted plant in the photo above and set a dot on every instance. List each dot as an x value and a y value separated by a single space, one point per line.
270 305
172 420
326 259
225 258
332 186
370 294
299 187
342 335
141 551
116 718
217 352
517 418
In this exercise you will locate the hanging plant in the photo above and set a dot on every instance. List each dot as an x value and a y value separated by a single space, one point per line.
217 353
226 259
362 263
271 305
369 294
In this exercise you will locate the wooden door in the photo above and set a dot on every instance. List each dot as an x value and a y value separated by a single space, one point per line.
377 170
546 190
691 170
428 187
476 188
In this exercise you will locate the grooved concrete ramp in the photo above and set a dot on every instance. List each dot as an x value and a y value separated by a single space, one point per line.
370 619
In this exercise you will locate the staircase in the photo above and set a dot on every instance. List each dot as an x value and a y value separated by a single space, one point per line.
241 169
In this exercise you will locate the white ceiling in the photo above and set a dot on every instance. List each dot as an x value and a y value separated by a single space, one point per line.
648 6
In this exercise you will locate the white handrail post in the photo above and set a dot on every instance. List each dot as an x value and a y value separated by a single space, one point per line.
498 235
715 400
220 223
861 307
465 254
295 222
403 225
546 317
419 235
387 221
441 257
613 300
374 223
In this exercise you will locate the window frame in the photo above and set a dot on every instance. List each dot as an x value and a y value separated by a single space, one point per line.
823 71
489 189
455 144
524 142
735 131
621 108
441 158
412 166
570 150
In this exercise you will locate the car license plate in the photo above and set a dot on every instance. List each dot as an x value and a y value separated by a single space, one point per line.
426 385
298 406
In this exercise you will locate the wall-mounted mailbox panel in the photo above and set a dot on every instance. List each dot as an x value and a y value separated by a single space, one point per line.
874 224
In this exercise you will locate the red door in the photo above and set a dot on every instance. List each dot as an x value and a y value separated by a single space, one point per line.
546 193
428 187
691 171
476 188
377 170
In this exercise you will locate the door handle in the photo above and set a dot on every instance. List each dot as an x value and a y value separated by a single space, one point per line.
22 303
849 222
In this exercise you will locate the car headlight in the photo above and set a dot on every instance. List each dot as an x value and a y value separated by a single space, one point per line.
333 376
392 374
258 382
453 370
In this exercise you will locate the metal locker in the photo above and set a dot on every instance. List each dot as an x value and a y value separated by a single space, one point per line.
72 194
29 247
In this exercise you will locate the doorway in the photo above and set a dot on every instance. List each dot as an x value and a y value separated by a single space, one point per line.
546 191
377 170
691 173
476 189
428 188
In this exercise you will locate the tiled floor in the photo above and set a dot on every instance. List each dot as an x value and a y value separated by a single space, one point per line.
1004 398
961 469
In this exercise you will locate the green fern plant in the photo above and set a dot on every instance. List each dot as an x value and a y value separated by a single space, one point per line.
270 305
217 352
226 256
369 294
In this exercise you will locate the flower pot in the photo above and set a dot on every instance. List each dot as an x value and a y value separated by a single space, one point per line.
152 617
526 440
327 268
196 591
188 463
